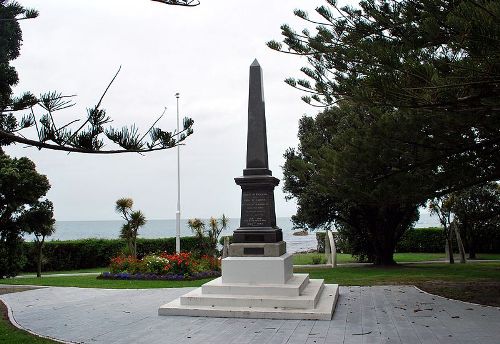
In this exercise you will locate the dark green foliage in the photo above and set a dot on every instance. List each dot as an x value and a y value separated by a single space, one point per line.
435 63
429 240
21 187
12 259
133 221
39 221
340 242
209 232
412 92
93 253
477 215
335 176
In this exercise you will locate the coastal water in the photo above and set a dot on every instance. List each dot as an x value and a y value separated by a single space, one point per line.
72 230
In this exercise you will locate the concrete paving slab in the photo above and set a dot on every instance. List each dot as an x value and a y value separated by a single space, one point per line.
381 314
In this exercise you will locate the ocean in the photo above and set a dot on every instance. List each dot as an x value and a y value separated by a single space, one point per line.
72 230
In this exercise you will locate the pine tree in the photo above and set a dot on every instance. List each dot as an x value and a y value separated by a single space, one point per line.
82 135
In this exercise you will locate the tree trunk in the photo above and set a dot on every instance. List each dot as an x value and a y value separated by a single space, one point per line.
459 242
449 246
39 262
472 251
384 250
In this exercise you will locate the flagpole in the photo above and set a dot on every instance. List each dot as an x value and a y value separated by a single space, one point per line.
178 212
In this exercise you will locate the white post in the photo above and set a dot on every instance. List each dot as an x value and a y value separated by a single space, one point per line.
333 248
178 212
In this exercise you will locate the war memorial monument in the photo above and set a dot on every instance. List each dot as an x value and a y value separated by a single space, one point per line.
257 278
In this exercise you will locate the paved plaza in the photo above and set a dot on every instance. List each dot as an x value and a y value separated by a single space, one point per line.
364 315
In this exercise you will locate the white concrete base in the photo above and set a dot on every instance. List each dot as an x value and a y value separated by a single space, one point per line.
323 310
258 287
257 270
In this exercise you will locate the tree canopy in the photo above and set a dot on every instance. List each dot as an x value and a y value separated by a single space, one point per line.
21 188
435 63
410 91
83 135
334 173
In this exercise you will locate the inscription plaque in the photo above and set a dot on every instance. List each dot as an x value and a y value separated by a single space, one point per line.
255 209
253 250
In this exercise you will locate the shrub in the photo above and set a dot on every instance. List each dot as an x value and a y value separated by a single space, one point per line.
93 253
126 264
155 264
180 263
318 260
430 240
183 264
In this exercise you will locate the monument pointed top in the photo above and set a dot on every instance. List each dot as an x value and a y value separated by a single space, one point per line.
255 63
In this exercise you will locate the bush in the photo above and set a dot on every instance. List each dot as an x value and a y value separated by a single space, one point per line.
340 242
12 258
183 263
428 240
94 253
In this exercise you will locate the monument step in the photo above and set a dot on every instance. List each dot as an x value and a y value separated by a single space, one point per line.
293 287
323 310
306 300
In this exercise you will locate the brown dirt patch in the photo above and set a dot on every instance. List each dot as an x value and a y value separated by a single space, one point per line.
484 293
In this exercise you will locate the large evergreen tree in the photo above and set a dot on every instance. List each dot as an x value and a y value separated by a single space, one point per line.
334 174
424 79
437 62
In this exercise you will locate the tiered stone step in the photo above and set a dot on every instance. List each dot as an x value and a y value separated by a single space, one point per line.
323 309
293 287
308 298
258 287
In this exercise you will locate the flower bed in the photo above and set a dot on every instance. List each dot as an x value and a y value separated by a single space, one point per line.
165 277
169 267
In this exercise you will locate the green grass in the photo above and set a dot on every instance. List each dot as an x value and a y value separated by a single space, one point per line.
31 273
406 274
306 258
344 275
92 282
11 335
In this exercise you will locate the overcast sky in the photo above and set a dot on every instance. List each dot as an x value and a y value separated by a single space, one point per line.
204 53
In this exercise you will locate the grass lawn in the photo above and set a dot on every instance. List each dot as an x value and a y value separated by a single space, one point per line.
406 274
477 282
344 275
92 282
65 271
12 335
307 258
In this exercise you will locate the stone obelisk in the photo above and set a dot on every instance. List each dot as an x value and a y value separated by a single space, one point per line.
258 234
257 277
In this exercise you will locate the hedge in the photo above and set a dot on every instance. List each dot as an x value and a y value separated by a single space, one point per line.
427 240
95 253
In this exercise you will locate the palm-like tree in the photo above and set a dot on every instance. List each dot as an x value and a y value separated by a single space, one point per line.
133 221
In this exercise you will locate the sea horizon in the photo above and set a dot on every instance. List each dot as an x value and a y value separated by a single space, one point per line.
164 228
